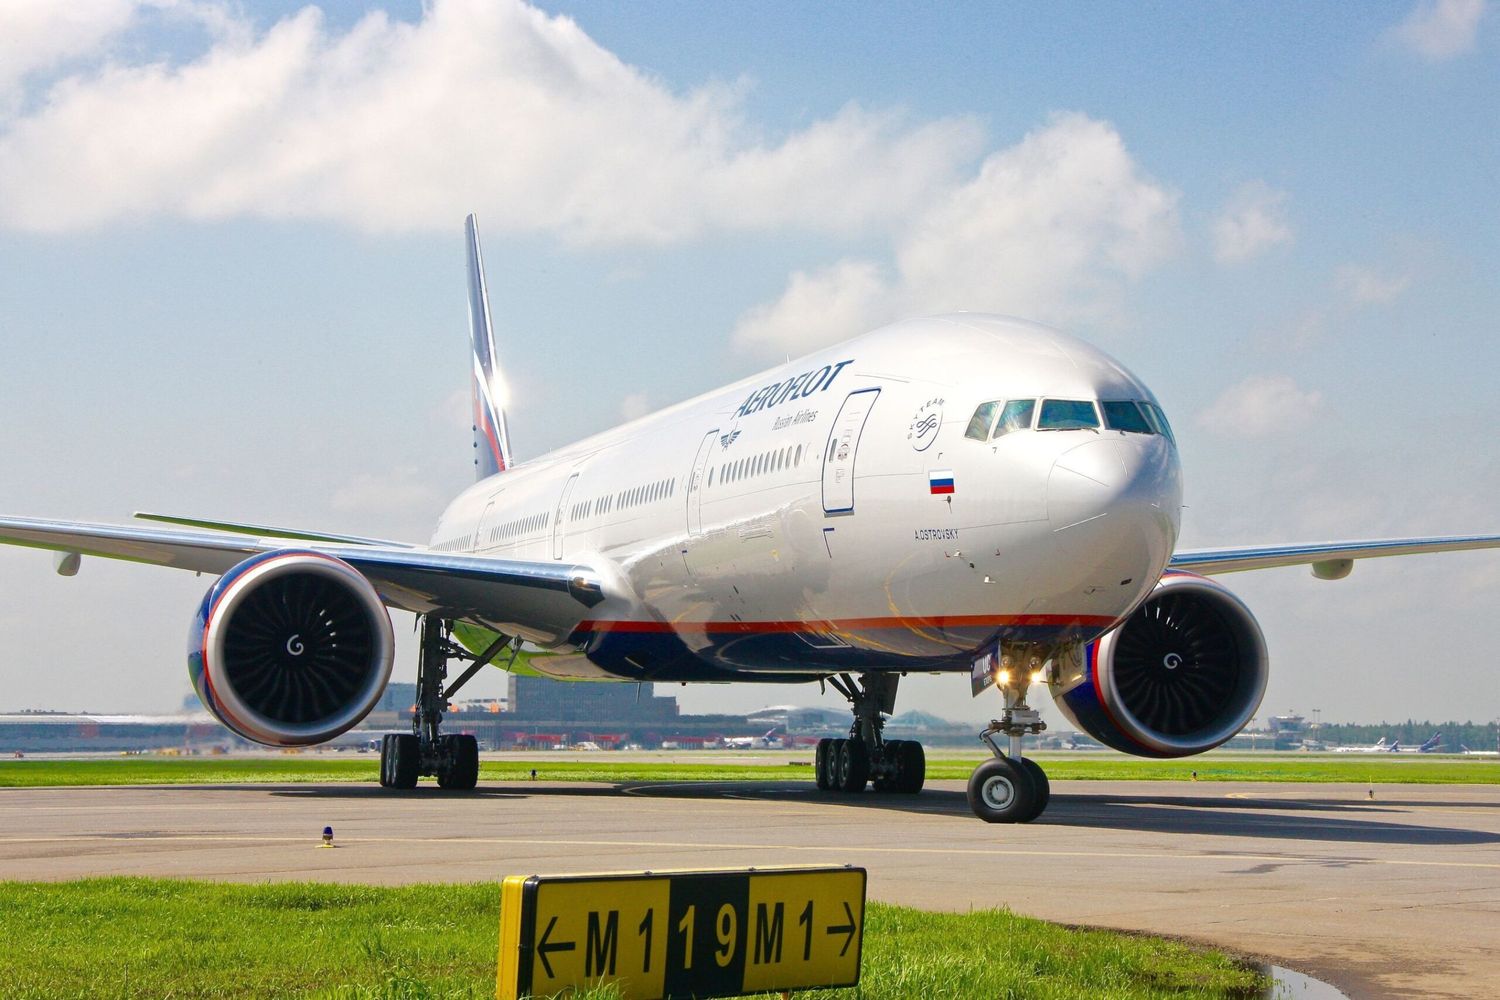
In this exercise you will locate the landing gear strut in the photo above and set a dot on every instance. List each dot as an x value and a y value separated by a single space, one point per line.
1010 788
847 765
452 759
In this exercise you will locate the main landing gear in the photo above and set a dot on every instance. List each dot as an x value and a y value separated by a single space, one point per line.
452 759
867 757
1010 788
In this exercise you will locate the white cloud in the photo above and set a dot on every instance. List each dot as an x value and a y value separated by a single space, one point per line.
1365 286
1440 29
1050 229
1261 405
490 106
635 405
1252 221
36 35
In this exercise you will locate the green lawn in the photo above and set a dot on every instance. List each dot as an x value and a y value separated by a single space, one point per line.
150 938
1358 768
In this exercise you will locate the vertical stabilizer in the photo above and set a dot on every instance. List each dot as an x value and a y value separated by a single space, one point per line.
491 436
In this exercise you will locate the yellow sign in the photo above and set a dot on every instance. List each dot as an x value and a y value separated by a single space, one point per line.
682 934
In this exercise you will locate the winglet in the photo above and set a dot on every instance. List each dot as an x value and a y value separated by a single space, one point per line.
491 436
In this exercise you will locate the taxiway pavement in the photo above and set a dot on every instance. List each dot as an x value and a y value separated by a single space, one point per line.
1398 895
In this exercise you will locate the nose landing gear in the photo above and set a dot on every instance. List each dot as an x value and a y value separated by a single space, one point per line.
1010 788
866 756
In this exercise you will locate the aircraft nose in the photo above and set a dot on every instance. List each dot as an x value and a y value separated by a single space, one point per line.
1116 502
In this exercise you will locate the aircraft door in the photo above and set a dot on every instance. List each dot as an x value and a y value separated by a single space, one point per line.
843 446
482 538
560 522
698 482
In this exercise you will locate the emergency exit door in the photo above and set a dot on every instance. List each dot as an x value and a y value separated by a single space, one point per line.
843 449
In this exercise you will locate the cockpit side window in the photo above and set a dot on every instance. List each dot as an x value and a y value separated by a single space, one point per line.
1123 415
1158 421
1016 416
979 423
1067 415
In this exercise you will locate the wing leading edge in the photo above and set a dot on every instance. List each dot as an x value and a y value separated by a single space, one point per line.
541 601
1328 559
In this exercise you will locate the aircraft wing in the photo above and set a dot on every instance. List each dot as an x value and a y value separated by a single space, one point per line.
541 601
1333 556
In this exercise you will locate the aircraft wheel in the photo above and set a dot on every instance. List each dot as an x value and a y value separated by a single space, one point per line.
1001 792
385 761
822 769
405 759
1040 784
911 767
853 766
460 755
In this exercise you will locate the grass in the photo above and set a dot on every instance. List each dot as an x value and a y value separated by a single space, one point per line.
139 938
1354 768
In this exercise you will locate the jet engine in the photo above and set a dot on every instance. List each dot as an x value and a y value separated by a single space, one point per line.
290 648
1181 675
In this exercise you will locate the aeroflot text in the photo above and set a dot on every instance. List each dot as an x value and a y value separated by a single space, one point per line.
800 387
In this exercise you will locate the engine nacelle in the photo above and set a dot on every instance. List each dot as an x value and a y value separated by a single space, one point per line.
1184 673
290 648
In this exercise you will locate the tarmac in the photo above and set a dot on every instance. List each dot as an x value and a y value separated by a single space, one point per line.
1398 895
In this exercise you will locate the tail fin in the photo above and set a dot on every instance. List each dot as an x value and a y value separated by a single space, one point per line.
491 436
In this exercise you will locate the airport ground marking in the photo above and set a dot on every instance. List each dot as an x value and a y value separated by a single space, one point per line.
351 842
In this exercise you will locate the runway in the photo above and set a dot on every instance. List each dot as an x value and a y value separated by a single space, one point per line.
1395 896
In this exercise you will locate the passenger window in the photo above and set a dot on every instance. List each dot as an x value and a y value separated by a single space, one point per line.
1067 415
1016 416
1125 416
979 423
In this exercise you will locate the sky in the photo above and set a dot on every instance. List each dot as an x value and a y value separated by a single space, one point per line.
231 274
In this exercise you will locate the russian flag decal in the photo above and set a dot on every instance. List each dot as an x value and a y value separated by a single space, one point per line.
940 481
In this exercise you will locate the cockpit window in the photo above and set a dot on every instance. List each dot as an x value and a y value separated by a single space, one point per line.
1123 415
1067 415
1015 417
979 423
1158 421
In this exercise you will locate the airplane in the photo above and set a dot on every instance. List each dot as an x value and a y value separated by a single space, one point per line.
1433 744
963 493
1381 746
766 741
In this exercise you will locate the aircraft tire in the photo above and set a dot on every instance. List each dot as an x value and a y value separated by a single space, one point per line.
1000 791
1040 783
822 771
854 766
461 756
385 761
886 776
911 767
406 760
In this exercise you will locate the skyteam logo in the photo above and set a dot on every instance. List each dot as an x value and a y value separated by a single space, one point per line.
924 426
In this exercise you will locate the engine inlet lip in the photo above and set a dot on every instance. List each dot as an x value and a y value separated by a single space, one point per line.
258 726
1255 659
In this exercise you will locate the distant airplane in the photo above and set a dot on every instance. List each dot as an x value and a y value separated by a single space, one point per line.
767 741
1380 747
966 493
1433 744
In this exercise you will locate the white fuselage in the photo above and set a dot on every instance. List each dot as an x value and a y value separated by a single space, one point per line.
799 521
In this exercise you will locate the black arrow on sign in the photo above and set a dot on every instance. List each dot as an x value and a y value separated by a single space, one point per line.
543 949
845 929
